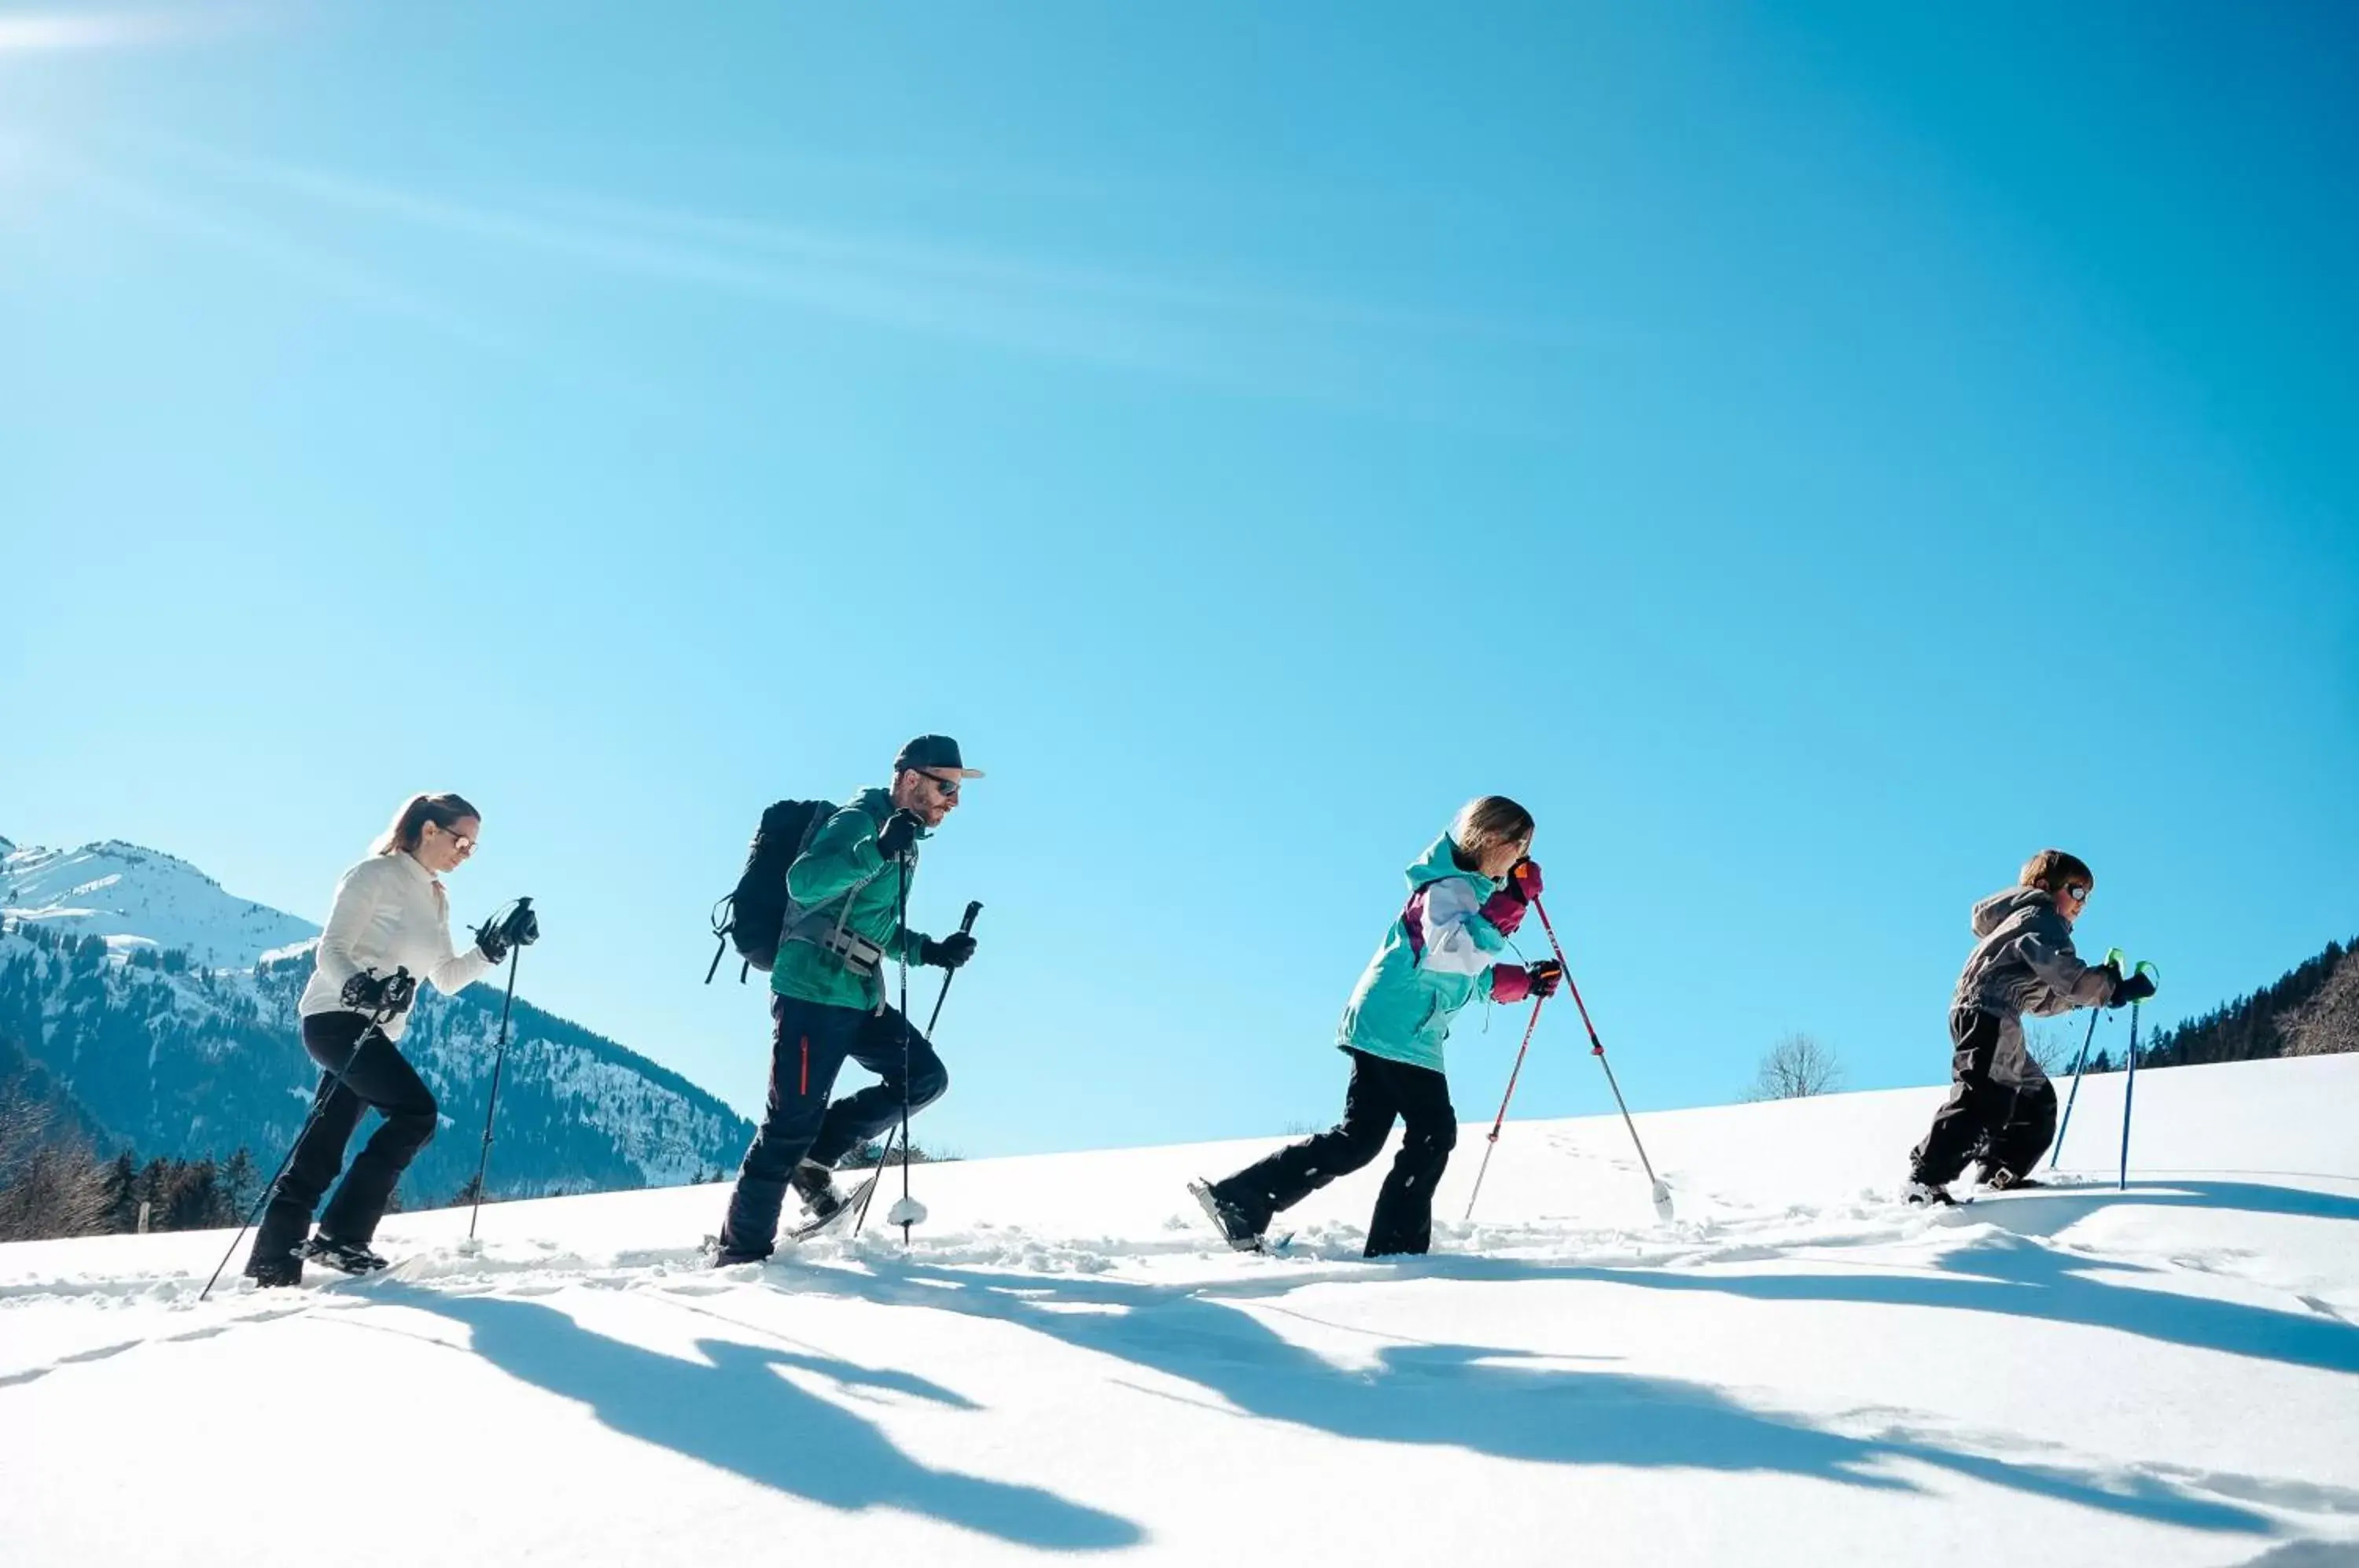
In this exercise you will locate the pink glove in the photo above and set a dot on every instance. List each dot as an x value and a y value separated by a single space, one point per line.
1514 982
1526 879
1503 908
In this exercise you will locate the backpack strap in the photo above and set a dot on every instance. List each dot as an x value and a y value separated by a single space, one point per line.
721 928
800 918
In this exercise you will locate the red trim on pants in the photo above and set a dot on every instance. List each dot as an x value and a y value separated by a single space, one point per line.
802 1087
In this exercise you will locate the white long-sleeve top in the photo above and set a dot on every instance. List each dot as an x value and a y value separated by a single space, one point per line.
390 913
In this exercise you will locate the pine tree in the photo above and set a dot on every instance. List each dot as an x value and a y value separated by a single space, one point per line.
154 1189
238 1179
123 1194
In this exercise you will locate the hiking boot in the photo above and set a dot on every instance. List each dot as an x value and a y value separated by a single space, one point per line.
274 1273
1926 1195
344 1256
815 1184
1236 1226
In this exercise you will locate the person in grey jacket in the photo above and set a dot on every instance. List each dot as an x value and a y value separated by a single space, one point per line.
2001 1109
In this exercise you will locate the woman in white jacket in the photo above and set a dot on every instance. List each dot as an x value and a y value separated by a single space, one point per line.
390 915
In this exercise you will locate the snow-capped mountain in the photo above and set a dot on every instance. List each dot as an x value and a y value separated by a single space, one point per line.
164 1007
137 898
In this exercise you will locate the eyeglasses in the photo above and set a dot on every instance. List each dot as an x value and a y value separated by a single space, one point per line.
949 787
2076 892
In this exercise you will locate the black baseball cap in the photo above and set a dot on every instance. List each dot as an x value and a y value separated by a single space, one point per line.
935 754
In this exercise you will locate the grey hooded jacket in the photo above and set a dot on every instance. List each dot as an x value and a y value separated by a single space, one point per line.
2023 962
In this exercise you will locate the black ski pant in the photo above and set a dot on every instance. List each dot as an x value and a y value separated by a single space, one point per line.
361 1071
810 1043
2003 1125
1380 1091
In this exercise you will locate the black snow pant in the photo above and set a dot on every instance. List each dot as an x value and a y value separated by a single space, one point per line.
810 1043
2005 1125
361 1071
1380 1091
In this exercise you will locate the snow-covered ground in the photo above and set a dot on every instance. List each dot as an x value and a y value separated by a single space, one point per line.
1796 1370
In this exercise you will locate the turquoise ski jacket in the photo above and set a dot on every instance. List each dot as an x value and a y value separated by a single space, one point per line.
1435 958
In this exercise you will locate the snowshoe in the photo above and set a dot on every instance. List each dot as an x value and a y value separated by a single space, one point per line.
344 1256
2005 1181
815 1184
1236 1229
1926 1195
846 1205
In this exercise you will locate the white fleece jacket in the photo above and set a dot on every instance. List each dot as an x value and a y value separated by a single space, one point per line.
390 913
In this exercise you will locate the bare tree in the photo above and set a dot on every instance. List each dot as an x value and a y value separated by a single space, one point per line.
1796 1067
49 1185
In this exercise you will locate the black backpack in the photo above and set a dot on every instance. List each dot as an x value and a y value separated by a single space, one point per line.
753 916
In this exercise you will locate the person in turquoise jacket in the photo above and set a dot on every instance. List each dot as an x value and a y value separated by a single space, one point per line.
1467 896
843 925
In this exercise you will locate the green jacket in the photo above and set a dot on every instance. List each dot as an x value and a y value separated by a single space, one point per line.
841 877
1435 959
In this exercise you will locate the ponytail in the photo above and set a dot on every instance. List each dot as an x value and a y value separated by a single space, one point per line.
409 823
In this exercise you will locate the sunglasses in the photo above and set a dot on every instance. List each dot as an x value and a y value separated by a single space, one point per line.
2076 892
949 787
462 842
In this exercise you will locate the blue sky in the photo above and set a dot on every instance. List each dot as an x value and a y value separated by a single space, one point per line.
1812 457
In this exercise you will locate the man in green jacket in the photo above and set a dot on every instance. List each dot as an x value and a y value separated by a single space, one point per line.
846 901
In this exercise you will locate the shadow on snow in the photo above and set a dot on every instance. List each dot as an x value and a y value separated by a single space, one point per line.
733 1411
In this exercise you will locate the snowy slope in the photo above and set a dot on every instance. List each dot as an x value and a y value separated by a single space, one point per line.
1795 1371
143 897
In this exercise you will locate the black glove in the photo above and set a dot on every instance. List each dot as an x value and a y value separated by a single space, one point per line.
520 928
384 993
899 832
2136 989
948 953
1547 975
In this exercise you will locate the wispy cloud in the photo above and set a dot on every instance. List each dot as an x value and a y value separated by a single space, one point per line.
29 32
1230 336
965 267
129 197
1290 345
1007 307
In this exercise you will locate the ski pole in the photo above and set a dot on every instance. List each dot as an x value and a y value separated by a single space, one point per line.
2065 1126
905 1213
2129 1084
499 1058
1662 1193
860 1219
399 988
1500 1120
